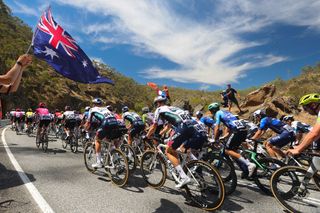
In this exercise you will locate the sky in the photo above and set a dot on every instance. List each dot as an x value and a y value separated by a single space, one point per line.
194 44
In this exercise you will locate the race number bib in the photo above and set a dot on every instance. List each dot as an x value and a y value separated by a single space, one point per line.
238 124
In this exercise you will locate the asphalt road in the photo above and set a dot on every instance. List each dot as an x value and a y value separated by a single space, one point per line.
62 179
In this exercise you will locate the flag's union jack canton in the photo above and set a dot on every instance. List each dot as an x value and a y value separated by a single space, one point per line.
54 45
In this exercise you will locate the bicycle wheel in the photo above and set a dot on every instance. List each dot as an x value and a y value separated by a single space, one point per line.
153 169
38 141
118 167
89 155
285 184
73 144
227 172
131 156
44 139
264 171
64 141
206 189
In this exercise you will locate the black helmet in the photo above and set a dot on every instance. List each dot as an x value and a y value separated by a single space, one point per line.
145 110
199 114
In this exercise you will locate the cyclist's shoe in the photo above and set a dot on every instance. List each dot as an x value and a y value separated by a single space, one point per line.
251 168
97 165
183 182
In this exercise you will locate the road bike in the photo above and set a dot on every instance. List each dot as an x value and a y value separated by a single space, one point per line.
206 189
114 161
297 188
42 139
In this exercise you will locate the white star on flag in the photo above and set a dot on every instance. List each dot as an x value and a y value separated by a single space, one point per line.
50 52
84 63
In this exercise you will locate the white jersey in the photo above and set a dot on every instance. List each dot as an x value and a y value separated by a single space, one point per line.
300 127
171 114
69 115
101 113
132 117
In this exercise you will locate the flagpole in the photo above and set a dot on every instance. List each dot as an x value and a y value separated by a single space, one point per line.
35 33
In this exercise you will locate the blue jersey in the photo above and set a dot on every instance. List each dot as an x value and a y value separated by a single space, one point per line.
85 115
228 119
274 124
207 121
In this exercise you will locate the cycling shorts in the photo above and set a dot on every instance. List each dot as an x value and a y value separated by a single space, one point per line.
282 139
136 129
109 130
44 123
70 123
19 119
236 139
29 120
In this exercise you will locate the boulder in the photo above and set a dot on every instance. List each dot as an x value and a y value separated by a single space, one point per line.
199 107
185 105
259 96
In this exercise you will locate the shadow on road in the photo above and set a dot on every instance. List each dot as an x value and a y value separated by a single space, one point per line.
167 207
135 182
10 178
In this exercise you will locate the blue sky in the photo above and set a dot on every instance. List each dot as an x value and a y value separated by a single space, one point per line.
197 44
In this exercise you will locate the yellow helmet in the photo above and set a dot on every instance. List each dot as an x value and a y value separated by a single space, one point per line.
310 98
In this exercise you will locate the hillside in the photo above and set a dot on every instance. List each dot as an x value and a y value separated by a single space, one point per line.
41 83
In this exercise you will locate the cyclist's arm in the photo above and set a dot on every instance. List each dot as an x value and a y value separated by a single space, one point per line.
307 141
152 129
258 134
165 129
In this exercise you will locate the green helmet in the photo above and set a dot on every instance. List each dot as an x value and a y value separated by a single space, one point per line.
310 98
214 107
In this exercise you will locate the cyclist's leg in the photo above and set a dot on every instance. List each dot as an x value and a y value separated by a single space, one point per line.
314 167
100 134
275 143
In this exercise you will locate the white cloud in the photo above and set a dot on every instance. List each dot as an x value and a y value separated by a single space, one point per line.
205 52
204 87
18 7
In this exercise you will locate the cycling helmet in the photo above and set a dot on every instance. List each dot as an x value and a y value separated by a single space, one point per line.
260 112
29 109
67 108
310 98
87 108
125 109
57 110
145 109
18 109
288 117
41 105
214 106
159 99
110 108
199 114
97 101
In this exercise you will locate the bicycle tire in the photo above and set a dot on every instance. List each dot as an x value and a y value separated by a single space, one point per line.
196 169
145 168
38 141
45 143
89 154
226 170
116 156
262 177
132 159
73 144
64 142
284 197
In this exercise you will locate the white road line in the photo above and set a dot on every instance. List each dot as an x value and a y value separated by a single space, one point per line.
42 203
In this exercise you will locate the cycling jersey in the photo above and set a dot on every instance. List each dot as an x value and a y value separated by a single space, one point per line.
85 115
300 127
229 120
29 114
69 115
173 115
274 124
147 118
101 114
133 118
207 121
19 114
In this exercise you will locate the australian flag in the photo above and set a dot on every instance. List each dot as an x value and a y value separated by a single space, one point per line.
54 45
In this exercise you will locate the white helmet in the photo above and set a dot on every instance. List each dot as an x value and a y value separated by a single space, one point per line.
260 112
159 98
87 108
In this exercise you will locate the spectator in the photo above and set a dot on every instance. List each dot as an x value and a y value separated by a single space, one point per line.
224 98
231 94
10 81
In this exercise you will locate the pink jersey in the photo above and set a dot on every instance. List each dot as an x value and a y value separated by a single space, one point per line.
42 111
18 114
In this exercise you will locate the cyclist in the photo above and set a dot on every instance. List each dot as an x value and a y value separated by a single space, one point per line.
69 120
12 117
188 133
206 120
136 124
43 116
236 133
311 104
18 118
147 117
284 131
29 118
107 124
